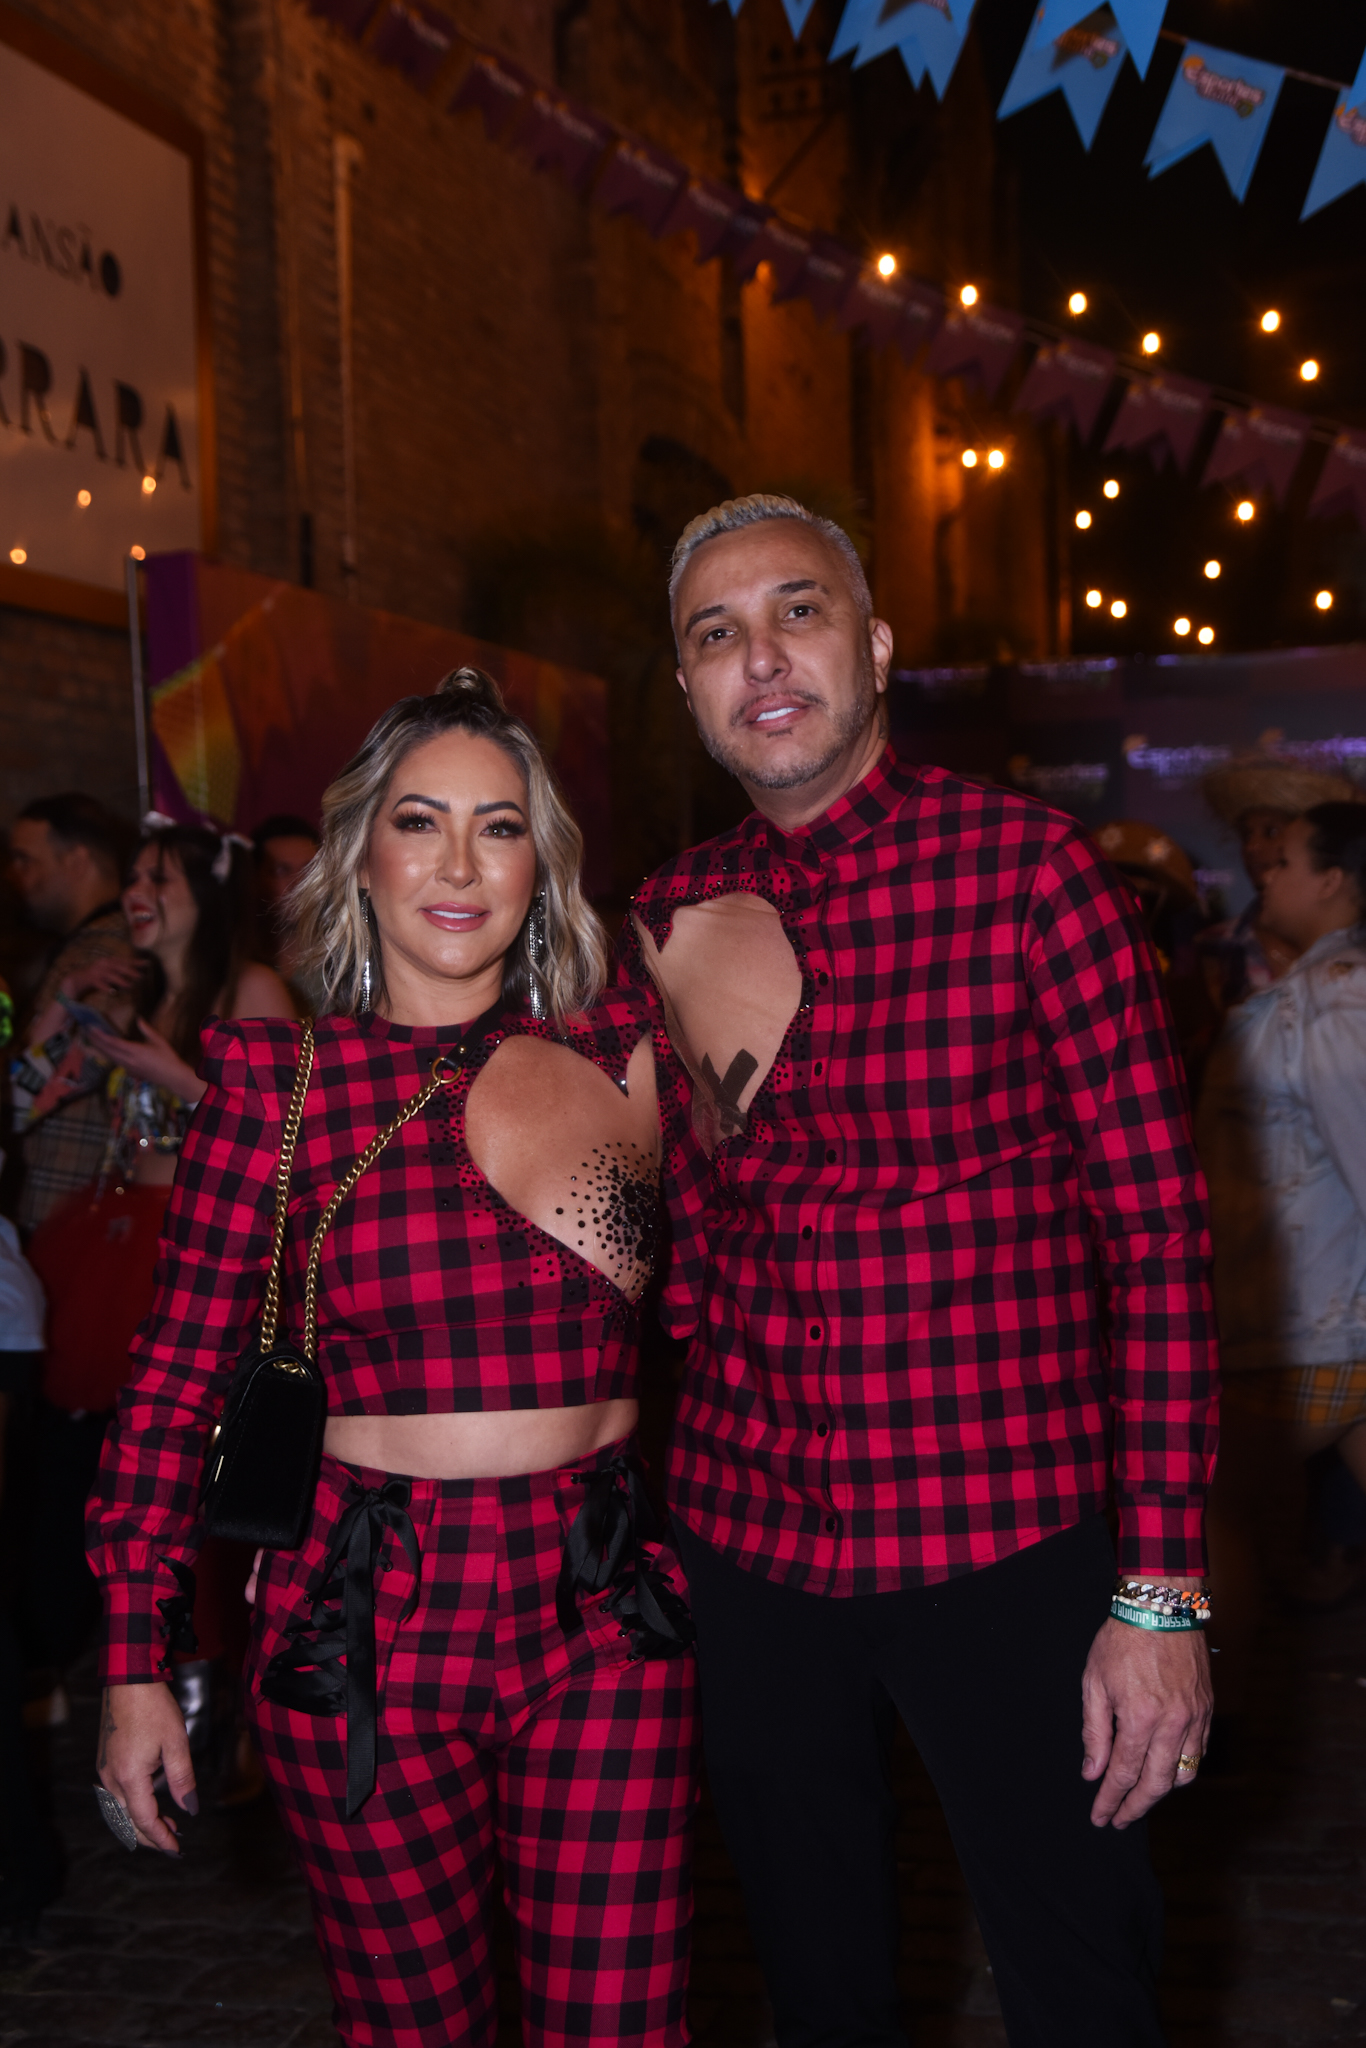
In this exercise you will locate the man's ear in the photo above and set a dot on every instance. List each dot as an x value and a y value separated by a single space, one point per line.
880 646
682 681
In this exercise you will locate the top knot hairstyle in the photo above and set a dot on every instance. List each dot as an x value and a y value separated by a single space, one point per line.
334 937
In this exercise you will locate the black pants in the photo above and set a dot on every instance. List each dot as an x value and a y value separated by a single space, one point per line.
799 1698
57 1610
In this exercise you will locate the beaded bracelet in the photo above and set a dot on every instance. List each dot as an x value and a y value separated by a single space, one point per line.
1145 1604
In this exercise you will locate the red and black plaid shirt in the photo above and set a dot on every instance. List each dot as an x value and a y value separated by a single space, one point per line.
435 1297
903 1366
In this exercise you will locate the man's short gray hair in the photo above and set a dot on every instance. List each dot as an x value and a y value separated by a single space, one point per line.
753 511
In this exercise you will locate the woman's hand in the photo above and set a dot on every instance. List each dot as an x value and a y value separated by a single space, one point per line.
150 1058
109 977
142 1731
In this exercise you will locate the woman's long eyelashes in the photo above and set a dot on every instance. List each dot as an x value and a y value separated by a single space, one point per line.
411 821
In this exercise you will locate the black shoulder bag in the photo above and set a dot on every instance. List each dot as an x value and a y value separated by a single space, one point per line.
262 1467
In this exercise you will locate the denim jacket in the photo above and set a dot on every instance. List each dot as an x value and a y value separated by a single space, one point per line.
1282 1135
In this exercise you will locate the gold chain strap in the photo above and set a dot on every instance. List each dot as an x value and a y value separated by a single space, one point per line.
293 1117
410 1109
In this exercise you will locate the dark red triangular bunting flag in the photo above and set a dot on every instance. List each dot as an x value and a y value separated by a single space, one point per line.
1068 381
978 342
496 88
786 251
1259 448
1162 414
874 302
641 181
830 270
1342 480
922 319
558 135
705 208
413 39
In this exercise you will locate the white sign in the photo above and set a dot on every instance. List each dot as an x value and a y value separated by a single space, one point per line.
99 387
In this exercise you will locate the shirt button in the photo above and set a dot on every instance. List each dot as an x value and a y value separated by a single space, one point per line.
823 978
830 1523
815 1329
819 1067
806 1230
822 1429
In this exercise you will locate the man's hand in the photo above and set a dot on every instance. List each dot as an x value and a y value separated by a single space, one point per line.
142 1730
1146 1700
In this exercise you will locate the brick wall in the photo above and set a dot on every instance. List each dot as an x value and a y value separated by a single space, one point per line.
514 352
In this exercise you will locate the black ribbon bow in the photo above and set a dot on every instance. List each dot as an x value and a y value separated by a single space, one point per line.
604 1551
307 1674
177 1612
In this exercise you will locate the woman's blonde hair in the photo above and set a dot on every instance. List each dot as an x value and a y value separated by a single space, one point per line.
334 934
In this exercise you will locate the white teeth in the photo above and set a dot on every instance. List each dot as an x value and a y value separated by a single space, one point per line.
780 713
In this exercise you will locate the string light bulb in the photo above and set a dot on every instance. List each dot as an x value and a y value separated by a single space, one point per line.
969 458
1152 342
1083 520
1206 636
1110 487
138 554
968 295
82 499
18 556
1324 600
1214 570
1118 608
1271 320
886 265
1094 600
1309 369
149 484
1245 510
996 458
1077 303
1181 627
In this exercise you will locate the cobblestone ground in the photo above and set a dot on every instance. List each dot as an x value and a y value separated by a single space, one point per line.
1265 1878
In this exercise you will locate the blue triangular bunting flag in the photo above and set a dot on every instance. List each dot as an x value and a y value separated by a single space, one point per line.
798 13
1082 62
1138 21
1220 99
1342 160
928 33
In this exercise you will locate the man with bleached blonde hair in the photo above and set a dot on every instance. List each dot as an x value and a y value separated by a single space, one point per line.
932 1070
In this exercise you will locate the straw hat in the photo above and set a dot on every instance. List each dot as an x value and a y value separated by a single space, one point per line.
1260 782
1129 843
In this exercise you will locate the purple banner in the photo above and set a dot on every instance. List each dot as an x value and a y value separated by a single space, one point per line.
558 135
1163 415
1261 448
978 344
706 209
1342 480
415 40
641 181
1068 381
496 89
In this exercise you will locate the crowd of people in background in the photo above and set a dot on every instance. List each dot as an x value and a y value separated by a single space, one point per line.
151 933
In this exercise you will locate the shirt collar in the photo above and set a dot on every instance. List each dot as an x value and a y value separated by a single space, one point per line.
850 818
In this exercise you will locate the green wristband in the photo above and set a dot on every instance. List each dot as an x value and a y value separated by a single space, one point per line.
1146 1617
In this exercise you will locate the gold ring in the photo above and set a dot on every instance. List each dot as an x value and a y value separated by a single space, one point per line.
1188 1763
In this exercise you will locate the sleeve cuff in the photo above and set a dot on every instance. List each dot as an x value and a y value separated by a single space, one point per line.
133 1648
1163 1539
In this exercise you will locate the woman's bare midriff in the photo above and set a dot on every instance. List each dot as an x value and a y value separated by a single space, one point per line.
492 1445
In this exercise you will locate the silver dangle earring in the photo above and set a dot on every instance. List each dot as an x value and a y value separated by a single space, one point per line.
365 971
537 954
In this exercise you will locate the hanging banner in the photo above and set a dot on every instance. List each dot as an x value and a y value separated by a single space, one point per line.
1342 480
1081 62
743 243
1261 448
830 270
978 344
928 33
798 13
641 181
1138 22
1163 415
1342 160
1068 381
1219 99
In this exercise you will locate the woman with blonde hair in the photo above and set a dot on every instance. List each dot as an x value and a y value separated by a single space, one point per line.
477 1645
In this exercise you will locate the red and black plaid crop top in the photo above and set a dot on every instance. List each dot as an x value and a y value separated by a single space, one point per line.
434 1296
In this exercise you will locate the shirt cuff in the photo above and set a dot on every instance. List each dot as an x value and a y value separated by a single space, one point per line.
1163 1539
133 1648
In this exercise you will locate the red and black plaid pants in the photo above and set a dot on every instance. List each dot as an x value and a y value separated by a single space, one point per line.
495 1731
